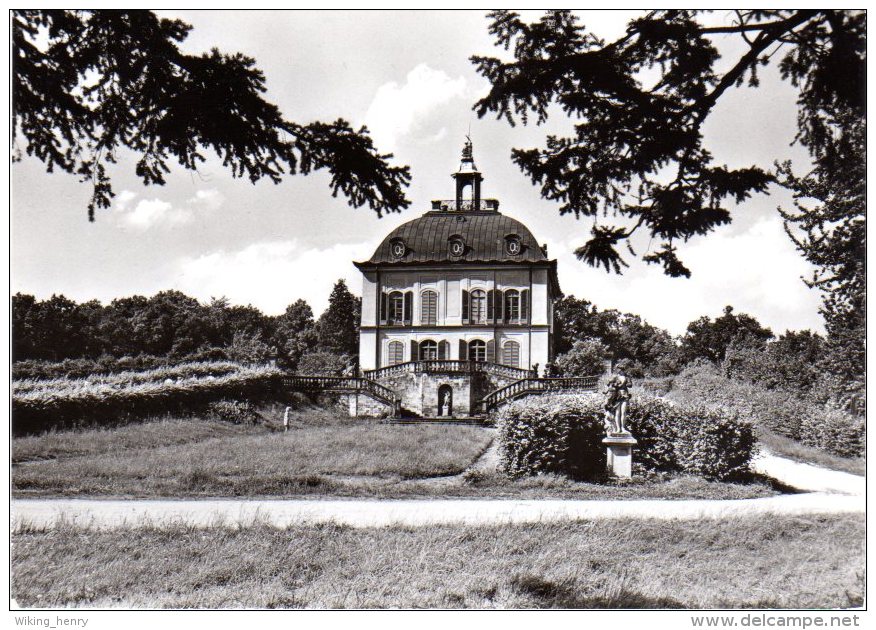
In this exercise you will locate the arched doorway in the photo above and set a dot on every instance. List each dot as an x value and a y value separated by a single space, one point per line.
445 400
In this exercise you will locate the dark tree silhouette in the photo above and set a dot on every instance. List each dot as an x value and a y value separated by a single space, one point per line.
708 339
106 80
295 333
338 326
629 135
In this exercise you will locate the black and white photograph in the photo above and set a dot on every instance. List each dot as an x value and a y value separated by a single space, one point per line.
437 310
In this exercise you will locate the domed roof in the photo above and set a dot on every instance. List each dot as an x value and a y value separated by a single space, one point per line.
487 237
464 230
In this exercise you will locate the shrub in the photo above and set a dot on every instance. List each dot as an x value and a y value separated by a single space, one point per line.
782 412
563 434
552 434
321 363
236 411
106 364
657 385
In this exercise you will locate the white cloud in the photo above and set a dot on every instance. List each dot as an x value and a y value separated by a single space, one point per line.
149 213
210 199
757 272
406 110
271 275
123 199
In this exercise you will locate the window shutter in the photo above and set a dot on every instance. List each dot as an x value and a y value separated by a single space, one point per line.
409 306
463 350
524 305
465 307
500 304
383 298
491 295
414 351
428 307
491 351
443 350
511 354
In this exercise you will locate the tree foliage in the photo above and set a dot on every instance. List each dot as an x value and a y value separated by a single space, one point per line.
637 151
339 325
586 358
174 326
648 349
709 339
788 363
106 80
295 334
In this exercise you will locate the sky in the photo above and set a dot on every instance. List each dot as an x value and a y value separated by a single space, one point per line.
407 76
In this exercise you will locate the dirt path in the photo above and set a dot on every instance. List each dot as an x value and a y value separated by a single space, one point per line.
420 512
807 476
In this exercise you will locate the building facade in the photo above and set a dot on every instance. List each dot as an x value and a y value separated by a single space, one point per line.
463 285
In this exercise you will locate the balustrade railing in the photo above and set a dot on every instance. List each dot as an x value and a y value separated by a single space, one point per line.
538 386
345 384
449 366
464 205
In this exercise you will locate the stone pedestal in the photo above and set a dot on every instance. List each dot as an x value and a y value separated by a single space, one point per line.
619 454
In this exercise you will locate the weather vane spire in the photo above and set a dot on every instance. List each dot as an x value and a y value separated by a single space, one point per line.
467 154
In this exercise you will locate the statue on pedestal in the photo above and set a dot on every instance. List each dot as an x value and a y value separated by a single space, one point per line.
617 392
444 403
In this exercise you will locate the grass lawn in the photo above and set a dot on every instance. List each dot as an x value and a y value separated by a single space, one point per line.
792 449
300 461
780 562
131 437
321 456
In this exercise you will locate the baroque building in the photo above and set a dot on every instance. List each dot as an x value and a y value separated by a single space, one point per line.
456 303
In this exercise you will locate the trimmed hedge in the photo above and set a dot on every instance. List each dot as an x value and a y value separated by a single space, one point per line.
833 430
79 402
552 434
160 374
563 434
106 364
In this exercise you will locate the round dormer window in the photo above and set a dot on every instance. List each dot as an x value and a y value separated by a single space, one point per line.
457 246
513 245
397 248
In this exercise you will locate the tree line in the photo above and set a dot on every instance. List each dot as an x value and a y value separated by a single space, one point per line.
173 325
801 362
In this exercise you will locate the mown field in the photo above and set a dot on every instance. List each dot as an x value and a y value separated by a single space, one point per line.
252 461
780 562
322 454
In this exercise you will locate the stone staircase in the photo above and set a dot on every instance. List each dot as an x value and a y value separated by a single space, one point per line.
525 383
347 385
536 386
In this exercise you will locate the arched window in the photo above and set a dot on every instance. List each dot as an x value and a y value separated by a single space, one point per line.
396 353
512 305
429 308
428 350
477 350
478 309
511 354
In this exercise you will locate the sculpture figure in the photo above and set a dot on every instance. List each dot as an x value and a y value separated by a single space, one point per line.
617 392
444 403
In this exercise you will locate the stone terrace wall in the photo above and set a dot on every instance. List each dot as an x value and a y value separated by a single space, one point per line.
364 406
